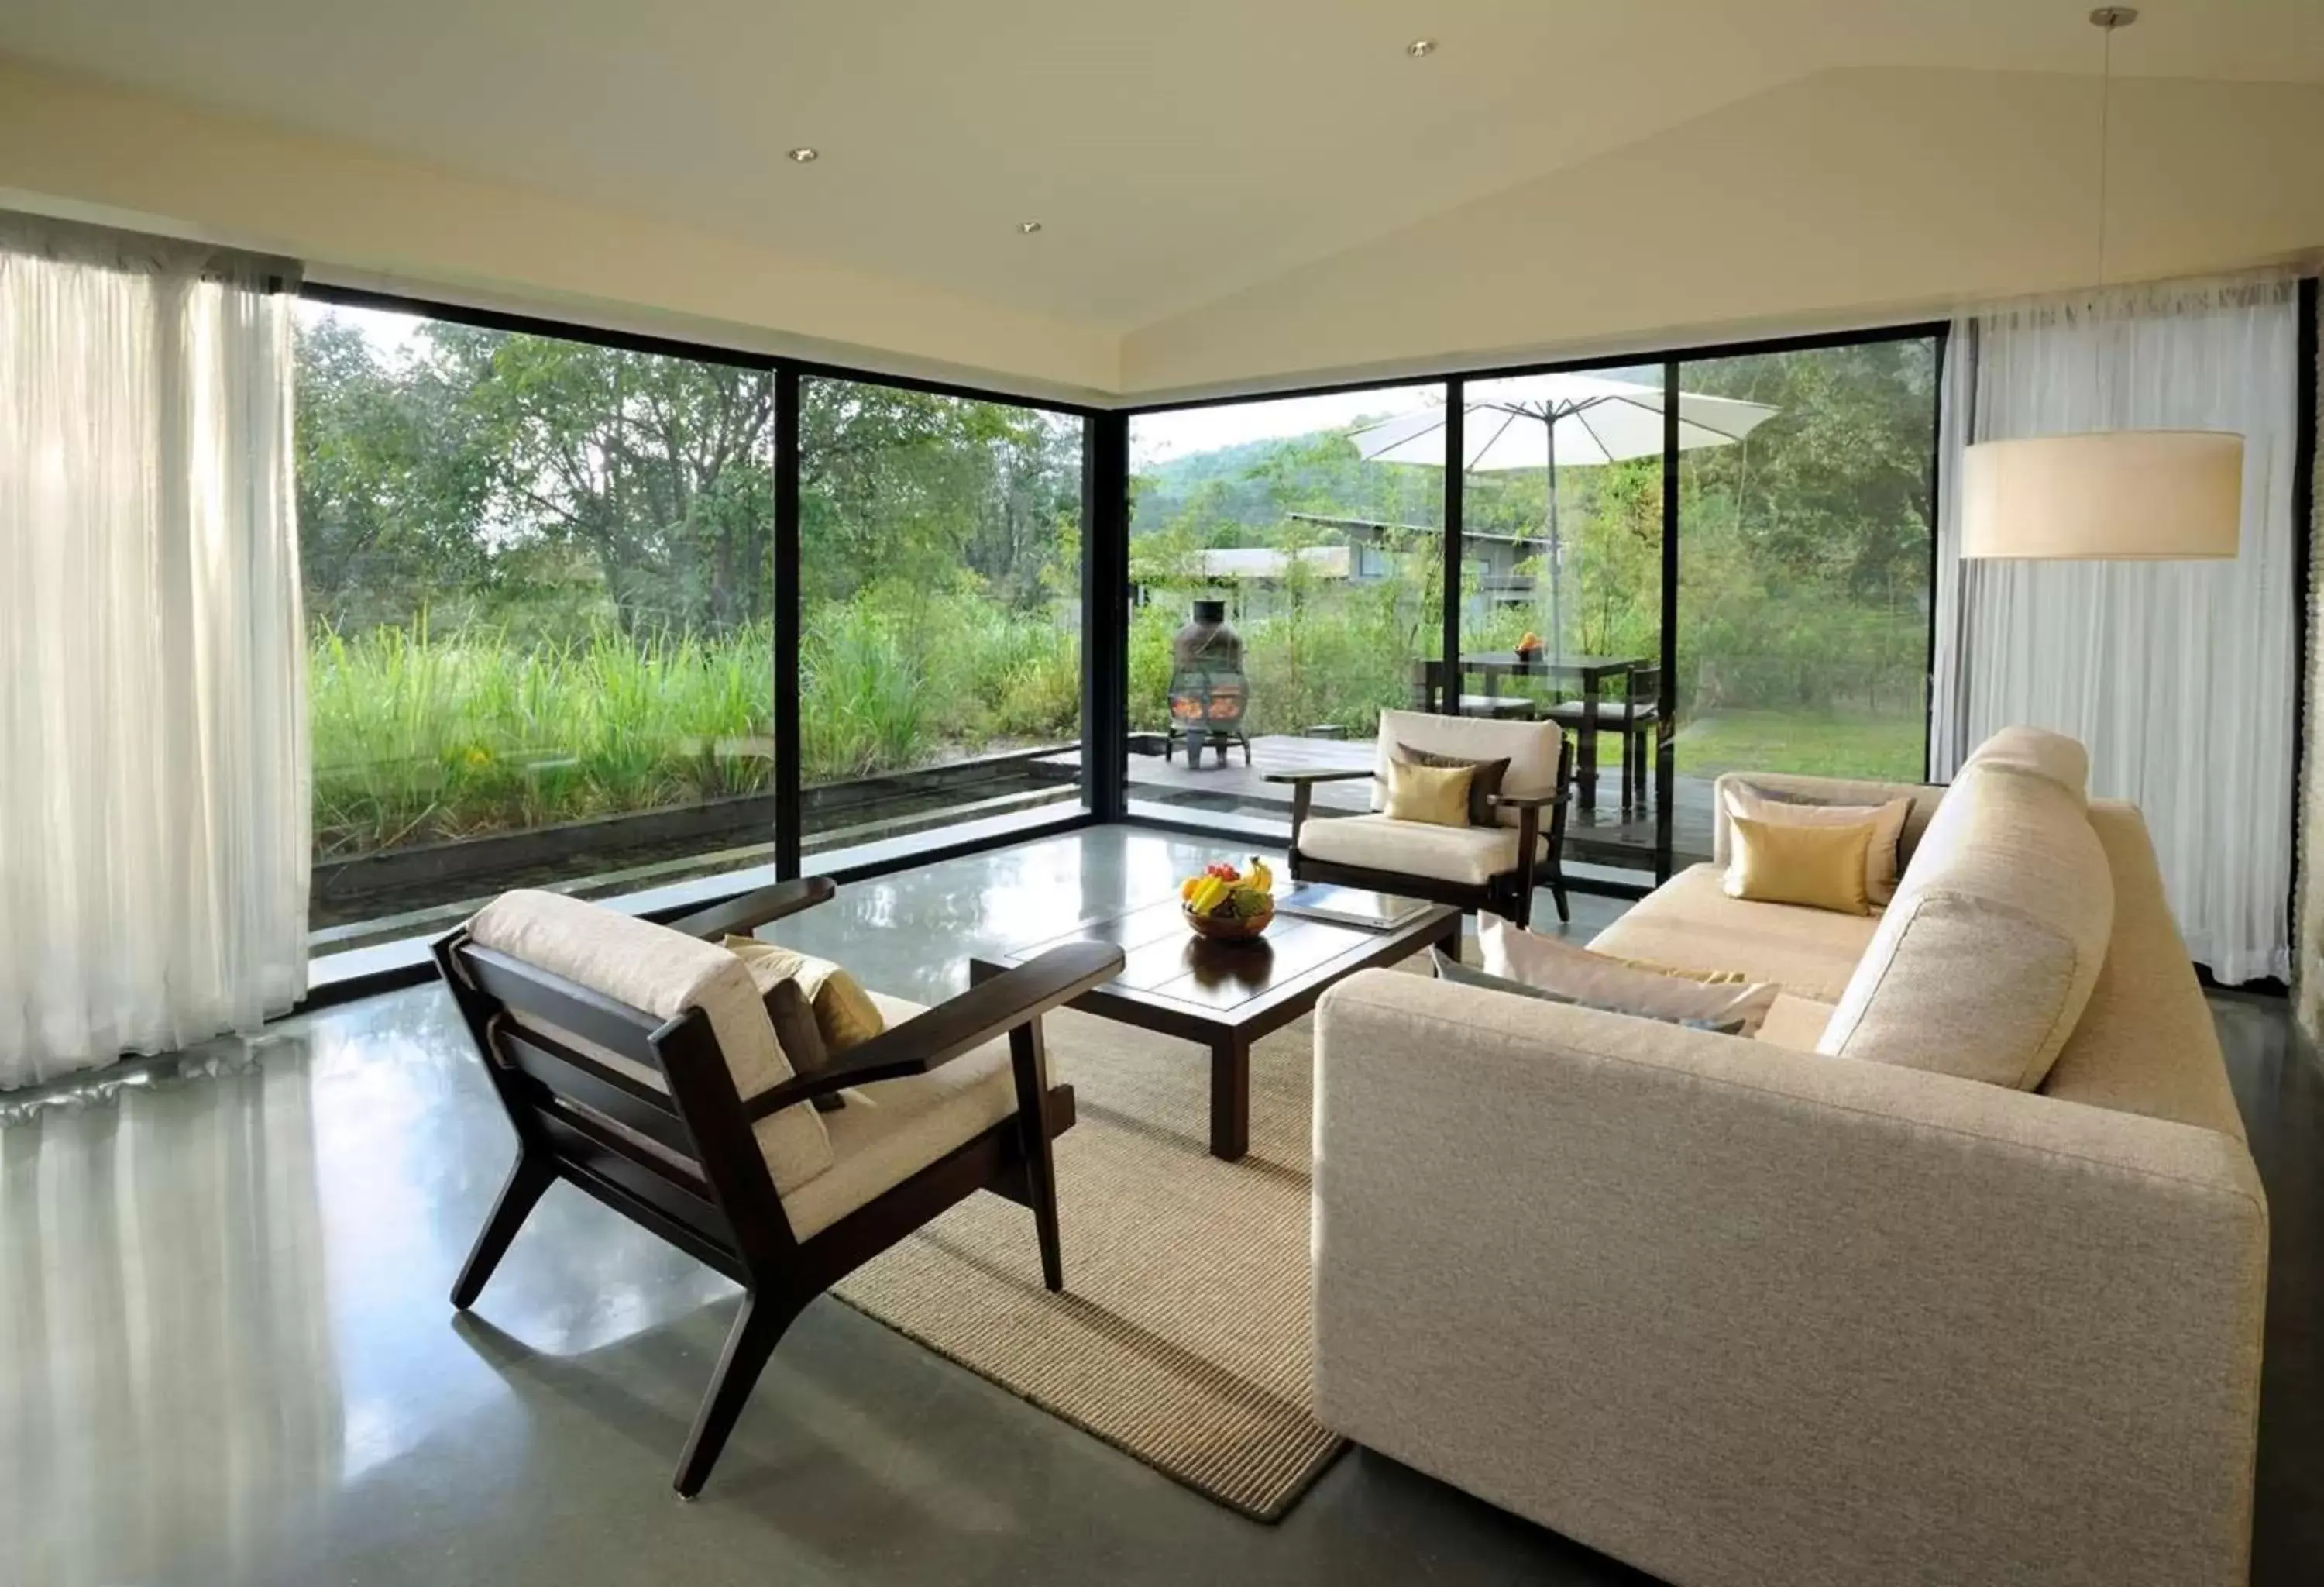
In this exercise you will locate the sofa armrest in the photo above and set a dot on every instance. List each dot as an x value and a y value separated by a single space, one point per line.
1733 1313
1829 790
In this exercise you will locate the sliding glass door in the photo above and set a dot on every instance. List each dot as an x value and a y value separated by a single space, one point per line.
940 651
1804 562
1562 587
1287 570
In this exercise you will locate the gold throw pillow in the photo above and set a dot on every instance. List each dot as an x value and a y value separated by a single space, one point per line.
1822 867
1887 828
1435 795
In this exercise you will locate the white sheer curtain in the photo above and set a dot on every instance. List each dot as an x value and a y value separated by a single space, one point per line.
153 781
2180 676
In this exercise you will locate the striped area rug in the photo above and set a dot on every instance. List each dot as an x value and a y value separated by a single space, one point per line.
1182 1337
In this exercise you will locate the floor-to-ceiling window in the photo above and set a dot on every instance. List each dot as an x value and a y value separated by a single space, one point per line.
539 597
1286 574
1802 553
940 655
1804 571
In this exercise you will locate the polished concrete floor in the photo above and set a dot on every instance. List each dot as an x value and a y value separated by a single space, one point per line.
226 1356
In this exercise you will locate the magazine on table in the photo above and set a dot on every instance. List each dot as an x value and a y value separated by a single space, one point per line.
1359 907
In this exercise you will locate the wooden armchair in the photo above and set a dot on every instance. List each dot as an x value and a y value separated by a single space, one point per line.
638 1064
1494 867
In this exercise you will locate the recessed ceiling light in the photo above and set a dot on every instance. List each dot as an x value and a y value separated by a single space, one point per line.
1420 46
1029 226
804 155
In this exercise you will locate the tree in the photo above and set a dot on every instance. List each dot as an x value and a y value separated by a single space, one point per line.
659 468
393 482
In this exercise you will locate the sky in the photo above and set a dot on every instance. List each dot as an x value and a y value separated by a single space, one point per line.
390 334
1158 438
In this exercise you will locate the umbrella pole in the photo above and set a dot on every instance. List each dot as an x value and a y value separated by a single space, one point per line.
1556 548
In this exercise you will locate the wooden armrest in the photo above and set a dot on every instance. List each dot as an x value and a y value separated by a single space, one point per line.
1528 801
941 1034
1349 776
742 916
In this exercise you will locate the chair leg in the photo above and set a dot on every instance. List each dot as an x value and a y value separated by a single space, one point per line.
527 1178
1026 1057
757 1330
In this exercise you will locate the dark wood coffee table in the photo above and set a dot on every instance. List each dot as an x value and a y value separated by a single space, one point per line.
1228 995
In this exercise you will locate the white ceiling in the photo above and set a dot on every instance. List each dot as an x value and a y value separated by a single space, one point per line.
1174 152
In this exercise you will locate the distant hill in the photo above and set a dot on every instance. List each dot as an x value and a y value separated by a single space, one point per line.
1166 490
1239 494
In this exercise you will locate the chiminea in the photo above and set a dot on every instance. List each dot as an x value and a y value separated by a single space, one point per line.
1207 687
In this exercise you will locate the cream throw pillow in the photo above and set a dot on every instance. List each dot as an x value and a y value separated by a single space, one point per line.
1821 867
1579 976
1881 860
1436 796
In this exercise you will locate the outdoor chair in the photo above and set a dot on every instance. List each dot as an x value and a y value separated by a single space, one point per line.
1630 720
1428 693
639 1064
1494 866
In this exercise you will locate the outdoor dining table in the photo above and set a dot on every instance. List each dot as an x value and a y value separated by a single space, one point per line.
1585 675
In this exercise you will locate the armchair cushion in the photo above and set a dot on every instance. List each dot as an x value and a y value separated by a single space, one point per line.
891 1130
663 972
1474 855
1531 749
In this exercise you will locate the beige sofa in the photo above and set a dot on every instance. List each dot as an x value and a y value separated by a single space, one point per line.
1743 1312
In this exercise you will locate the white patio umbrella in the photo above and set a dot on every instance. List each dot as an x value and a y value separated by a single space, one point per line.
1552 419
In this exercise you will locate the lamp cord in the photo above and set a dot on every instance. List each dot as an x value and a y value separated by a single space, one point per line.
2106 107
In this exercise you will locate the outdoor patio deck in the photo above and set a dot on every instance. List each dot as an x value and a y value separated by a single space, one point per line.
1236 789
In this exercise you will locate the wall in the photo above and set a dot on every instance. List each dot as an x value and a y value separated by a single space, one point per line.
71 145
1842 198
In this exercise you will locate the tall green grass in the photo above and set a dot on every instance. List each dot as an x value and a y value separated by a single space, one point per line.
422 736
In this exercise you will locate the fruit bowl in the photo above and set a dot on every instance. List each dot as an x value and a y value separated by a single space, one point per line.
1223 904
1229 927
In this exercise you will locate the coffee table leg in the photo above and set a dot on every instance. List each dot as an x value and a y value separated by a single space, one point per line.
1230 1098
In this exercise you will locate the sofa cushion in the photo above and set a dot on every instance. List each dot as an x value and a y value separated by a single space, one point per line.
1690 923
1794 1023
663 972
1986 956
892 1129
2145 1044
2036 752
1470 854
1531 749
